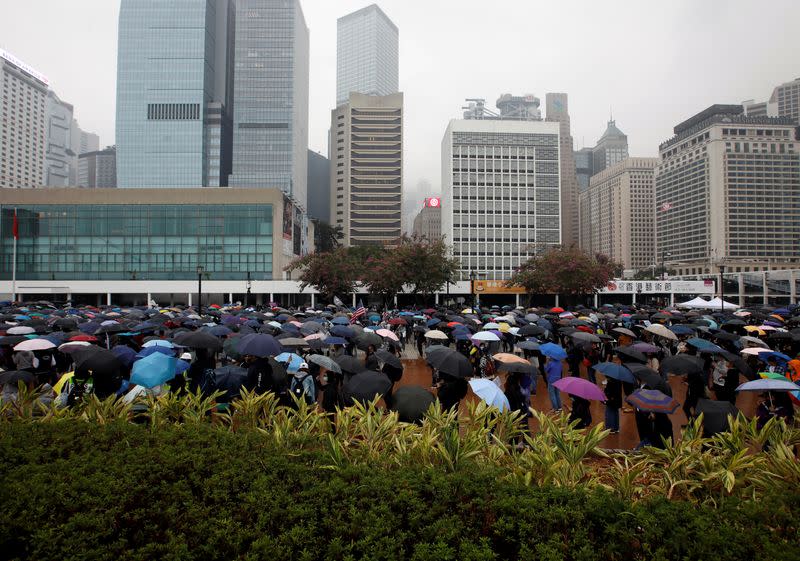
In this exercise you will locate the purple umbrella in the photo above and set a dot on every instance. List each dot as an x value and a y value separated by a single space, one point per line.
573 385
645 348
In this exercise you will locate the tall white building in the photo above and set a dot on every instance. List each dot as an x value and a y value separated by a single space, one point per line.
366 155
501 199
60 159
367 54
24 124
787 99
617 213
727 192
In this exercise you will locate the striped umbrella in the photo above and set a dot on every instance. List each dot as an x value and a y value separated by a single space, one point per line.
652 401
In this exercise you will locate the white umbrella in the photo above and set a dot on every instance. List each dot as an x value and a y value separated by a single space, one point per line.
485 336
34 345
755 350
21 330
661 331
753 340
436 334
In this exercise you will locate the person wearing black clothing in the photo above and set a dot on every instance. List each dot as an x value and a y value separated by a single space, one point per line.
451 391
203 361
331 384
370 360
696 382
580 412
259 374
613 391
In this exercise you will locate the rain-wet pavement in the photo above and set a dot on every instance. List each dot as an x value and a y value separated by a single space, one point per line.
417 372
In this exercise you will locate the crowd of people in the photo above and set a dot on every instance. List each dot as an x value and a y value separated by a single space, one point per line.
622 356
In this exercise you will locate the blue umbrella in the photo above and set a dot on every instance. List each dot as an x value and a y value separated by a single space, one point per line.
340 320
158 343
489 392
294 361
616 371
181 366
432 322
681 330
259 345
342 331
703 345
148 351
335 341
768 385
125 354
765 356
153 370
220 331
553 351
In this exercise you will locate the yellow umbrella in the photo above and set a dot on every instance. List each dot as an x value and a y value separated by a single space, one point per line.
754 329
504 327
62 382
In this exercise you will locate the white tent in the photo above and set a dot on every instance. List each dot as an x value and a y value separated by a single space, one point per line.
717 304
695 303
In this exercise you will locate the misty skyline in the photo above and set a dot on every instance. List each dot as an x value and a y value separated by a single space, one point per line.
652 65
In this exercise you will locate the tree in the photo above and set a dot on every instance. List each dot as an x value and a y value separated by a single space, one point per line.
653 273
332 273
565 270
326 237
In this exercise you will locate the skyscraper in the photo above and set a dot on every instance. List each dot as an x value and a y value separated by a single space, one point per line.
270 116
23 104
726 193
787 98
557 105
610 149
367 169
173 93
58 155
367 54
501 197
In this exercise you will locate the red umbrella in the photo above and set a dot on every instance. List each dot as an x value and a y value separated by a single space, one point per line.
557 310
397 321
88 338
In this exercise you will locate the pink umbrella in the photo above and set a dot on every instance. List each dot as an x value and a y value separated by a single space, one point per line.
573 385
386 333
34 345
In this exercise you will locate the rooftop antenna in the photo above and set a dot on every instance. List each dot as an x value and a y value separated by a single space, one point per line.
610 113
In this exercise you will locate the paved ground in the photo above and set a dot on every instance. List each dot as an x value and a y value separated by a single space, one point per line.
417 372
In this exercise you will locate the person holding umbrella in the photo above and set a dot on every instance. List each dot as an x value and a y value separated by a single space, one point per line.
553 368
370 360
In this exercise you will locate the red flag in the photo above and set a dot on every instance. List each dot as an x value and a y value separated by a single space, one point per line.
15 227
665 207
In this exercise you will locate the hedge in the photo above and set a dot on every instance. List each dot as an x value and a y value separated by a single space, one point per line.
73 490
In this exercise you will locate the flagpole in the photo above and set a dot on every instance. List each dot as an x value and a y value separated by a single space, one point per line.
14 263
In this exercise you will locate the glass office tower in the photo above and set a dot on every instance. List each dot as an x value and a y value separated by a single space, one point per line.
172 65
367 54
270 117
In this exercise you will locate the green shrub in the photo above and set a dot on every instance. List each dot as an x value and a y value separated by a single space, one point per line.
77 490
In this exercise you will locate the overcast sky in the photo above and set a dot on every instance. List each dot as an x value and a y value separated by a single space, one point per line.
653 63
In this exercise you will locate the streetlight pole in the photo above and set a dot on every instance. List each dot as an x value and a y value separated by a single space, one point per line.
199 290
249 286
721 288
663 265
472 277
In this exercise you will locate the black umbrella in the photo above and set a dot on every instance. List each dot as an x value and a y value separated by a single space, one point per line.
103 366
12 340
365 386
529 330
198 340
364 340
349 364
627 354
681 365
228 379
411 403
780 336
14 376
389 358
740 364
715 415
650 378
725 336
450 362
110 328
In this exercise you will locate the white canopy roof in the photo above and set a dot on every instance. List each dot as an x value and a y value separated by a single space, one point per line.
694 303
716 303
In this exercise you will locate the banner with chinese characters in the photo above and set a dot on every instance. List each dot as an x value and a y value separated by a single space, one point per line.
496 287
659 287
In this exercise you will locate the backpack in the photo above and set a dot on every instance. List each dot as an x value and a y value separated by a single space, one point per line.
298 389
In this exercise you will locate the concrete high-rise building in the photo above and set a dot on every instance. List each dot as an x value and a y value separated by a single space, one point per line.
583 167
367 54
501 197
319 187
59 158
367 169
24 123
610 149
81 142
98 168
428 222
174 93
761 109
270 116
727 193
557 105
617 213
787 99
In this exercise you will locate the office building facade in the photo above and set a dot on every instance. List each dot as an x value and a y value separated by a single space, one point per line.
727 192
59 157
501 198
367 169
270 116
786 98
583 168
557 106
319 187
173 93
610 149
98 169
428 221
24 124
617 213
367 54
